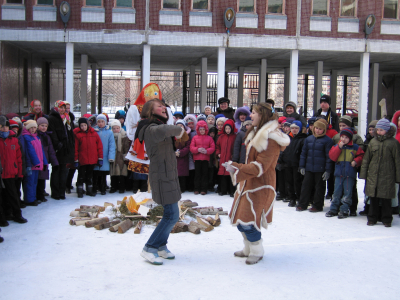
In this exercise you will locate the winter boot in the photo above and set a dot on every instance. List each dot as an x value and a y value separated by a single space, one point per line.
80 191
143 186
246 250
256 252
1 239
365 211
292 203
90 191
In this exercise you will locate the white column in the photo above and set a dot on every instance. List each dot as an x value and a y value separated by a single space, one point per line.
333 89
192 88
363 94
93 94
84 75
286 85
294 74
69 74
240 87
318 71
262 81
146 65
221 73
373 93
203 87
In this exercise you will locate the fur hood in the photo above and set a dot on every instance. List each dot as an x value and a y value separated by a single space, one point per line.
259 139
191 117
241 110
203 124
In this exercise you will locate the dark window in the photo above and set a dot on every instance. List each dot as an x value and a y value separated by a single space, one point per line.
124 3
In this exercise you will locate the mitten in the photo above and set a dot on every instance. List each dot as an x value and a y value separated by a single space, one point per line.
326 176
302 171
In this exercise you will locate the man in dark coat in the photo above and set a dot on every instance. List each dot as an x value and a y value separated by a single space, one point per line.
224 108
326 111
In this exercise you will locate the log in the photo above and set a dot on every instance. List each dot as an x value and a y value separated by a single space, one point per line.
106 204
74 214
140 217
73 220
190 204
194 227
180 227
204 212
124 226
87 208
115 227
82 222
95 222
106 225
205 226
138 227
83 214
217 221
200 208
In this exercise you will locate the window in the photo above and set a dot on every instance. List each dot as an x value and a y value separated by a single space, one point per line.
320 7
201 4
246 6
15 1
276 7
45 2
124 3
94 3
171 4
390 8
348 8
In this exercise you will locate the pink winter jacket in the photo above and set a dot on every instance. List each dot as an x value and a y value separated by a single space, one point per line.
202 141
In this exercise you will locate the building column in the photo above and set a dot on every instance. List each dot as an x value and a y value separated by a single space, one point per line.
93 90
262 90
203 87
192 87
69 74
294 74
100 93
333 89
221 73
373 93
363 92
84 76
318 71
286 86
146 65
240 87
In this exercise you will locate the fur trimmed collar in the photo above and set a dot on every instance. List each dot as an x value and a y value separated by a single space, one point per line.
259 139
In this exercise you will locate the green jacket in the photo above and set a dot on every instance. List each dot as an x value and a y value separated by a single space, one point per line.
356 140
381 166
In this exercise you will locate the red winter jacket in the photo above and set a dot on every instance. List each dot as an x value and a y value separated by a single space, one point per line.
88 146
330 132
225 145
202 141
11 159
395 120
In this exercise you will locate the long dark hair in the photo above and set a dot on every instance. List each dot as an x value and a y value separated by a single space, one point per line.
265 111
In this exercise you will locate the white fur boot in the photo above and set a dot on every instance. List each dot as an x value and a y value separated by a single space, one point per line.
256 252
246 250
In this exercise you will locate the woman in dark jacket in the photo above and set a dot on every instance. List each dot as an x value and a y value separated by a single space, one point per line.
163 174
62 138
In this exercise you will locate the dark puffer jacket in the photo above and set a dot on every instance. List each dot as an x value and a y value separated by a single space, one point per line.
291 155
239 148
381 166
315 154
49 152
331 117
228 113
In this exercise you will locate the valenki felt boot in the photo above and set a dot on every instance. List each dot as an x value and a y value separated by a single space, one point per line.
246 250
90 191
256 252
80 191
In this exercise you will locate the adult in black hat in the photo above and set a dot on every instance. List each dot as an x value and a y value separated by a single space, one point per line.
224 108
326 111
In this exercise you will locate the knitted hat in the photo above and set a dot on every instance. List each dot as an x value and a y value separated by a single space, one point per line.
108 120
312 120
347 132
87 116
373 124
292 104
325 98
211 117
383 124
346 120
18 120
101 117
296 123
83 120
201 117
221 119
181 122
4 121
41 121
30 123
287 124
281 120
178 113
248 122
115 123
13 124
207 106
223 100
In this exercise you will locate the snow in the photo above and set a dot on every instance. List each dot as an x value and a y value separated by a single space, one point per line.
307 256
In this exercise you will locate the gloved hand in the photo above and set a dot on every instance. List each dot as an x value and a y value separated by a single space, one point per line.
59 146
302 171
326 176
100 163
203 150
76 165
278 167
228 167
28 171
177 153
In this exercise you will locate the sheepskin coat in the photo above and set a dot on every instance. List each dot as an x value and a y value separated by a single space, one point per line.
256 179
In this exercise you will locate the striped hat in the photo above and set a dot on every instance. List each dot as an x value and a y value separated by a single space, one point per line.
347 132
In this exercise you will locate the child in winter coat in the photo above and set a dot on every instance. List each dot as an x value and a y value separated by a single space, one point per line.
101 171
241 115
396 121
191 122
347 157
119 170
120 115
201 147
381 169
88 154
224 153
220 124
210 121
316 166
10 156
50 154
35 161
213 163
182 146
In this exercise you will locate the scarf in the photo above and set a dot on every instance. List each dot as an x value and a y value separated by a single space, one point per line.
4 134
65 118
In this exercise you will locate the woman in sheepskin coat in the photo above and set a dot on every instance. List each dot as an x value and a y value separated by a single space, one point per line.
255 194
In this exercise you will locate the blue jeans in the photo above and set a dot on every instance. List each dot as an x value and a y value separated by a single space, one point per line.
343 186
252 234
159 238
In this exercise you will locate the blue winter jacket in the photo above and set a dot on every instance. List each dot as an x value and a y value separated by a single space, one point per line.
107 138
315 154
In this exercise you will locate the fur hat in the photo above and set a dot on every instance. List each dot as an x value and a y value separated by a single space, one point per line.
207 106
321 124
41 121
373 124
101 117
83 120
4 121
223 100
201 117
221 119
292 104
115 123
346 120
190 118
383 124
325 98
30 123
347 132
296 124
13 123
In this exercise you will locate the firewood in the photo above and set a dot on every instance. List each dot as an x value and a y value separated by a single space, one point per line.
74 214
106 225
194 227
77 209
205 226
140 217
189 203
108 204
119 202
73 220
82 222
200 208
86 208
213 212
124 226
180 227
83 214
138 227
217 220
100 208
95 222
115 227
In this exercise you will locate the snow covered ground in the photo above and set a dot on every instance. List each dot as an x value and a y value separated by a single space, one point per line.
307 256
